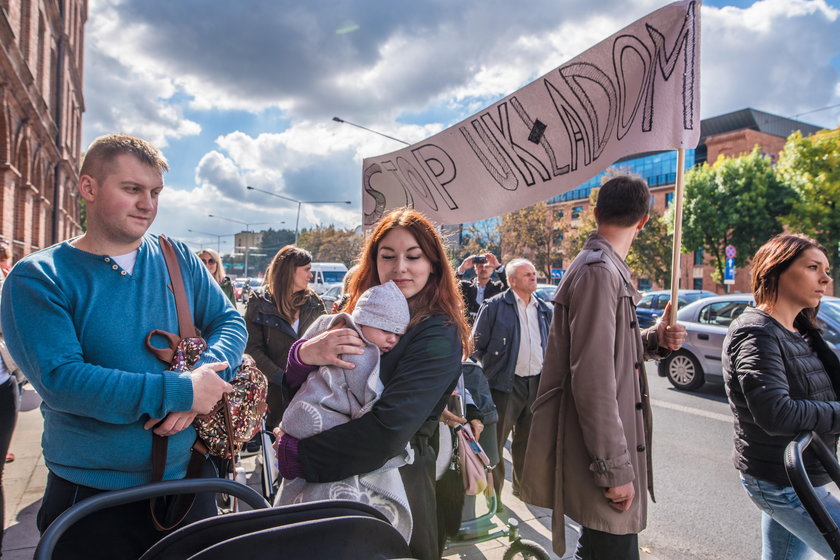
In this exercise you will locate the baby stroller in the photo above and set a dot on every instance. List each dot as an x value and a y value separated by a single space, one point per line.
475 528
356 531
798 477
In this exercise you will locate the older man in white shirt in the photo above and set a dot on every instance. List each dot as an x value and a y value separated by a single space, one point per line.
510 335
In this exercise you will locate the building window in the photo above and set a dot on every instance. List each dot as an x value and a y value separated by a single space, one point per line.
698 284
644 284
576 212
698 257
669 198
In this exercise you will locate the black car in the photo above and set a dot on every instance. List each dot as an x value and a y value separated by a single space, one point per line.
652 304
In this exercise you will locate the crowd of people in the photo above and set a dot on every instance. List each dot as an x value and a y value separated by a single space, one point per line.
356 398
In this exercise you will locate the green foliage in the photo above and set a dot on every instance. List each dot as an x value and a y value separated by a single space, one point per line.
328 244
811 166
736 201
478 239
531 233
651 252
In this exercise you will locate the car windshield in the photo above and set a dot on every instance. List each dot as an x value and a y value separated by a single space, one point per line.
690 298
333 276
645 302
832 310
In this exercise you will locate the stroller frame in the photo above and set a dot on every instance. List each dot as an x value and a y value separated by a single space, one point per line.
795 468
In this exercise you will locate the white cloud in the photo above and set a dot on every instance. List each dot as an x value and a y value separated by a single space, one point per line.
775 56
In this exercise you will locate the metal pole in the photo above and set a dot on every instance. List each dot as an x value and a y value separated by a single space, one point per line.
675 256
247 244
297 222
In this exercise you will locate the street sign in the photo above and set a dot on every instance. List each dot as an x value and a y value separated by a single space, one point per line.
557 273
729 269
730 251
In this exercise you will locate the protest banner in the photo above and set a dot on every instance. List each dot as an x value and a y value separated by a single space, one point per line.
637 91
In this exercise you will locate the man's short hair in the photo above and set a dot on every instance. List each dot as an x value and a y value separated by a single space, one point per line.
513 264
105 149
622 201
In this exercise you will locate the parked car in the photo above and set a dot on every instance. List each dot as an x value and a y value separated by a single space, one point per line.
652 304
332 295
706 322
237 288
546 292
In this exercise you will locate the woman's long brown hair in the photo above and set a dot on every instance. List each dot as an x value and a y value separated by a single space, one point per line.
768 264
440 295
279 280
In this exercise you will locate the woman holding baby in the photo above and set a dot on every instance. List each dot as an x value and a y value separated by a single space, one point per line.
418 374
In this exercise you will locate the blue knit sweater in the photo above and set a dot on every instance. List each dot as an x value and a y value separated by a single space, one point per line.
76 324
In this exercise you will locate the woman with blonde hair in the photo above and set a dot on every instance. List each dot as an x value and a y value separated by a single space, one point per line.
213 262
782 378
418 374
276 314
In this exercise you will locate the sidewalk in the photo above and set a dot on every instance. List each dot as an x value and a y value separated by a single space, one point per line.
24 480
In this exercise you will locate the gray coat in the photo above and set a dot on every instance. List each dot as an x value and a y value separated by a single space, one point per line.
332 396
592 419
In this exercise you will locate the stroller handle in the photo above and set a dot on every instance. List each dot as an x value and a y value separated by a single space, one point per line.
49 539
795 468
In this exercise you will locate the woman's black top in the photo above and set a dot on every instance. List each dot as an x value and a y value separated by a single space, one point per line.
419 374
778 383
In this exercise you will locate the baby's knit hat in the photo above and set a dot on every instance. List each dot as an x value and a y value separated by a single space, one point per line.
383 307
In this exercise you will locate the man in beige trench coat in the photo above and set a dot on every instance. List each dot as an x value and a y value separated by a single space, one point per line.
589 446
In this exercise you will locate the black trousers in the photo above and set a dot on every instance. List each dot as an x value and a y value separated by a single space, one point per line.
123 532
515 416
419 481
598 545
9 405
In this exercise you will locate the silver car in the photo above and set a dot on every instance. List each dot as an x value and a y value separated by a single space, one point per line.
706 322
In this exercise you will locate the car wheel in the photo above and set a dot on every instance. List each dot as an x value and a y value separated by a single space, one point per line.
683 371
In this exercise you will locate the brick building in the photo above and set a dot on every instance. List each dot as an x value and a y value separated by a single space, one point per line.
731 135
41 106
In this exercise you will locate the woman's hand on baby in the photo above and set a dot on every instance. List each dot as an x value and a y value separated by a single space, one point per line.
278 433
326 348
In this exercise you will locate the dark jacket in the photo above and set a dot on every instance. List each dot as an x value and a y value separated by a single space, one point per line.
476 383
270 336
496 336
778 383
469 289
227 288
419 374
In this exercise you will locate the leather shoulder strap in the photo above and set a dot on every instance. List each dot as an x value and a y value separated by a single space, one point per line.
186 327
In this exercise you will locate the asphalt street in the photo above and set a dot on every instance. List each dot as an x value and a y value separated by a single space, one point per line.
701 511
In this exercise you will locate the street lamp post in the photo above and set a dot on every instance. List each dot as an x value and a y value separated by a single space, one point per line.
298 202
247 230
216 235
342 121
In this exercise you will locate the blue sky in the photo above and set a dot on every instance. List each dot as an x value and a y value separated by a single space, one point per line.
243 94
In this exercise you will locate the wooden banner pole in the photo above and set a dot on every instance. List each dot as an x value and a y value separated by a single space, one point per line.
675 257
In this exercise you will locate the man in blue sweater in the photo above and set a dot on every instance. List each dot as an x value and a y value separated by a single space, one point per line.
76 316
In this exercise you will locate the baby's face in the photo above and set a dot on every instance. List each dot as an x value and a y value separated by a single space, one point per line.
383 339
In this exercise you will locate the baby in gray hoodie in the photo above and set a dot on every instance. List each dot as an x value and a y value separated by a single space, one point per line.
333 396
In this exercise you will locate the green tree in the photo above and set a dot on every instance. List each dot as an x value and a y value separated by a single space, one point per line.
811 166
735 201
328 244
479 238
532 233
651 252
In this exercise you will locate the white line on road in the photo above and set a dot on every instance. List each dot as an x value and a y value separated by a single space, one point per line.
695 411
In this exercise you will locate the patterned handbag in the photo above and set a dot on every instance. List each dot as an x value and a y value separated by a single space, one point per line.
236 416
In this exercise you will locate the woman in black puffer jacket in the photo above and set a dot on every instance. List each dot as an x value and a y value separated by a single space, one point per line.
782 378
277 313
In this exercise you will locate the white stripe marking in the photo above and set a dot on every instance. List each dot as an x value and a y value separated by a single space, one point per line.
695 411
